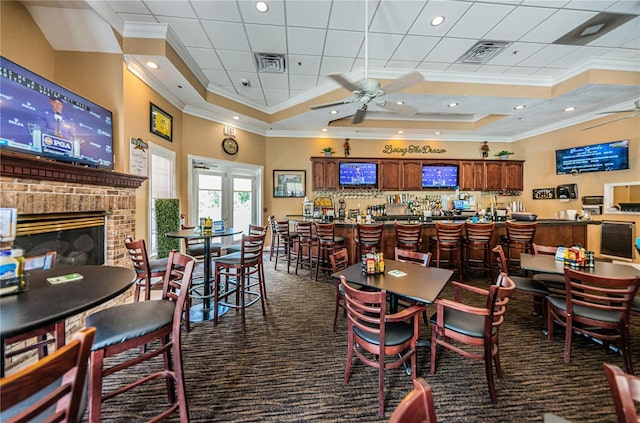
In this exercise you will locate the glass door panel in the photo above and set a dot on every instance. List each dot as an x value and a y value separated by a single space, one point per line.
242 203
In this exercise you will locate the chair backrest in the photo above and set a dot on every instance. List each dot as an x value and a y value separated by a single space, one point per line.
68 365
497 300
449 232
177 284
366 310
521 232
599 292
304 230
407 235
417 406
339 260
501 259
369 233
416 257
252 247
325 232
544 250
257 230
625 390
282 227
188 242
138 253
45 261
480 232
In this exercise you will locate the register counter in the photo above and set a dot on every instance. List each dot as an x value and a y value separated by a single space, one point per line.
549 232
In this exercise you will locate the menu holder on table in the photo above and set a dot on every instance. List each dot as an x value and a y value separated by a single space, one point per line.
396 273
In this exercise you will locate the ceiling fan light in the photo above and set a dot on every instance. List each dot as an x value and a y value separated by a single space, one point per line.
437 132
453 105
152 65
437 20
519 107
569 109
334 112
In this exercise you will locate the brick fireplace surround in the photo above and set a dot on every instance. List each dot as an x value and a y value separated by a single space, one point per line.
40 186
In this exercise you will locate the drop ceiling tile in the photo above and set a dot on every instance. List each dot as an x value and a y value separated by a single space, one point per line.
133 7
557 25
189 31
515 53
343 43
274 80
180 9
348 15
452 11
267 38
395 17
622 53
302 82
275 15
218 77
414 47
634 44
314 14
250 93
545 3
205 57
137 18
624 6
226 35
579 56
305 40
219 10
237 77
449 50
520 21
381 46
237 60
402 64
598 5
332 65
619 36
477 21
275 96
548 55
372 64
299 64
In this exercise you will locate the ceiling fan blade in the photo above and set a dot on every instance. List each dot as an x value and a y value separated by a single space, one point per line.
359 116
344 82
401 109
403 82
335 103
610 121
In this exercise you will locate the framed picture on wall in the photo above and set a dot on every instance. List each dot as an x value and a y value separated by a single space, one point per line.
289 183
161 123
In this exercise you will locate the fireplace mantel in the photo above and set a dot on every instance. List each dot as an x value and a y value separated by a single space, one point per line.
18 165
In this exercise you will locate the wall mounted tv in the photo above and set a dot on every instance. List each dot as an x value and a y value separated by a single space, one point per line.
44 119
593 158
439 176
358 175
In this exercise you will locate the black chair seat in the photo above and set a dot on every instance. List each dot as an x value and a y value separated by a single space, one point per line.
636 305
550 279
197 250
395 333
121 323
235 258
462 322
529 285
589 313
156 266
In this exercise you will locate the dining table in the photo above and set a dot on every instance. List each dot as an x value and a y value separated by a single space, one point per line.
45 303
544 263
203 311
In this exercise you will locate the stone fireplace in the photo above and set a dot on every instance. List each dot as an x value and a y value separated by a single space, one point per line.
43 190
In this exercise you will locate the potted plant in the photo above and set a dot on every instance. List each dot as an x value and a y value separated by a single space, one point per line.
328 151
504 154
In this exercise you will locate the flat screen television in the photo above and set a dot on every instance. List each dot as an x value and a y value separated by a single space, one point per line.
439 176
358 174
44 119
617 239
461 205
593 158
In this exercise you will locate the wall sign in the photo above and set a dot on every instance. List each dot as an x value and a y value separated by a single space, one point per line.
138 157
161 123
412 149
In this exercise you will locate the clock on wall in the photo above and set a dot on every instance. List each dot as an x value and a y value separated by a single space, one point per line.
230 146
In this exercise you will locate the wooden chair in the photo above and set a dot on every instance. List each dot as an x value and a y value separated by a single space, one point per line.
339 261
448 239
368 238
133 325
66 369
328 243
253 230
286 241
236 274
474 326
41 335
625 390
307 244
273 225
535 289
551 280
195 247
423 259
417 406
149 274
375 335
408 236
478 238
519 239
595 306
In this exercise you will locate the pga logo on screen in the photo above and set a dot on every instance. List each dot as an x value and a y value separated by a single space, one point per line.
57 144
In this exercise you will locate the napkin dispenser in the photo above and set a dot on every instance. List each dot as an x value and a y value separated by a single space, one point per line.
567 191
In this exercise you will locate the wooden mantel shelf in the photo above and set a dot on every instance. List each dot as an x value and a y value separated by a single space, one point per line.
17 165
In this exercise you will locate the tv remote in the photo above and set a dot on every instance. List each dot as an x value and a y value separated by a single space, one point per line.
65 278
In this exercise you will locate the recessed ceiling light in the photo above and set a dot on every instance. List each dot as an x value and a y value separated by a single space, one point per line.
334 112
437 20
324 129
399 103
236 118
569 109
437 132
400 132
520 107
452 105
262 6
152 65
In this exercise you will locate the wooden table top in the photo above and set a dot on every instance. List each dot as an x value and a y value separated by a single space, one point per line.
548 264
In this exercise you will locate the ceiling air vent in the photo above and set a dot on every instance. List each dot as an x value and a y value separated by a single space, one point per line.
483 51
270 63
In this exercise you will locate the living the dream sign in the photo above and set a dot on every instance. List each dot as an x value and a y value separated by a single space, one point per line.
412 149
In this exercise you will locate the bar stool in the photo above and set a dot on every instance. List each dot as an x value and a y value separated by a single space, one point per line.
448 239
307 241
479 237
519 238
328 243
286 241
273 225
368 238
408 236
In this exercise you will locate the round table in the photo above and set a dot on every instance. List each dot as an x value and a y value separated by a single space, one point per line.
45 303
199 313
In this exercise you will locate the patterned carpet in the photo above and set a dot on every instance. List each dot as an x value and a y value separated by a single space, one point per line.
289 367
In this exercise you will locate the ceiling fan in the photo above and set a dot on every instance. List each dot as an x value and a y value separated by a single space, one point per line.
368 90
635 110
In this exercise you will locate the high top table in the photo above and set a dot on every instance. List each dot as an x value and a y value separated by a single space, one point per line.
45 303
543 263
200 313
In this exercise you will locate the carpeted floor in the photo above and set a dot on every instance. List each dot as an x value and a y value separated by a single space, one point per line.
289 367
